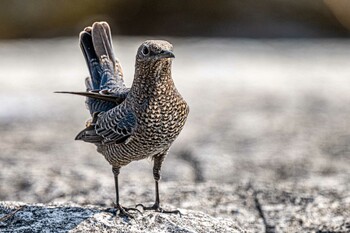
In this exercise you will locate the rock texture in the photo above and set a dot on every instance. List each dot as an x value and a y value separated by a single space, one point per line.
21 217
219 208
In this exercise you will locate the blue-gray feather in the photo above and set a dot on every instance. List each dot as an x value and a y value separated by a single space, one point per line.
105 74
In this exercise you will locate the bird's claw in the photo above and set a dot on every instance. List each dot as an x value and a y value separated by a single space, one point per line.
124 211
159 209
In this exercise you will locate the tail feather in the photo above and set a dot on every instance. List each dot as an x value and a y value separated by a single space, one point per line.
105 70
88 84
102 40
105 87
108 32
118 67
91 59
96 95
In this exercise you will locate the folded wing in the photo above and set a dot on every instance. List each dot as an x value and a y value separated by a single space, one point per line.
114 126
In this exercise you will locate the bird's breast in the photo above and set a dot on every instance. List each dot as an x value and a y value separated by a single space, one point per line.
163 119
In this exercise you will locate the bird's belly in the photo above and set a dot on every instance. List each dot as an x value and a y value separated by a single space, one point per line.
135 149
145 142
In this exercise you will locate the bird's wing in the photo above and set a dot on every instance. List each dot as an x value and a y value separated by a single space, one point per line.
114 126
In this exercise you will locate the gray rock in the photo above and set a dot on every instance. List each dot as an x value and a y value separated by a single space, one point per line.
21 217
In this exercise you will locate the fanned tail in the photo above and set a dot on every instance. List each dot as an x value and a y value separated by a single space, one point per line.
105 88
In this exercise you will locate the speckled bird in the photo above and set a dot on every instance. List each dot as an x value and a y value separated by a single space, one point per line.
130 124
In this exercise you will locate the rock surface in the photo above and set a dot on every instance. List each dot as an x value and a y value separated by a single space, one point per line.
21 217
219 208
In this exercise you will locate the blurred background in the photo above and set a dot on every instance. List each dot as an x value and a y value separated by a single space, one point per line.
223 18
267 83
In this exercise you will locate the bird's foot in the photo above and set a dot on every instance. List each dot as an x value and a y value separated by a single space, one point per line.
159 209
124 211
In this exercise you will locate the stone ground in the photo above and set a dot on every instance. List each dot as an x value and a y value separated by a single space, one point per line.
74 218
266 147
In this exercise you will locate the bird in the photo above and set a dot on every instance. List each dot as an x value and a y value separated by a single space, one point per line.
130 124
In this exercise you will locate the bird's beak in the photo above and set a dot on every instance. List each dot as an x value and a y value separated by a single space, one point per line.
166 54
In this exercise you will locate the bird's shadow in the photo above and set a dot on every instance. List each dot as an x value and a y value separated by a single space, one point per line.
28 218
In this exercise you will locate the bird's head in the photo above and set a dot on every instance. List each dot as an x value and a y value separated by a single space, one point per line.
153 50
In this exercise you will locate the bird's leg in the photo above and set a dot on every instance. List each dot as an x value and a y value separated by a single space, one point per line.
158 160
123 211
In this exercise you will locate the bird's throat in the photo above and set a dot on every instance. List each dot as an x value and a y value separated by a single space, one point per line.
153 79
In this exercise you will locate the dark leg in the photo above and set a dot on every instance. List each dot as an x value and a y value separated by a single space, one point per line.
158 160
122 210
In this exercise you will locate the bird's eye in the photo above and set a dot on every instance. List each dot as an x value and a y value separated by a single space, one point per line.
145 51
